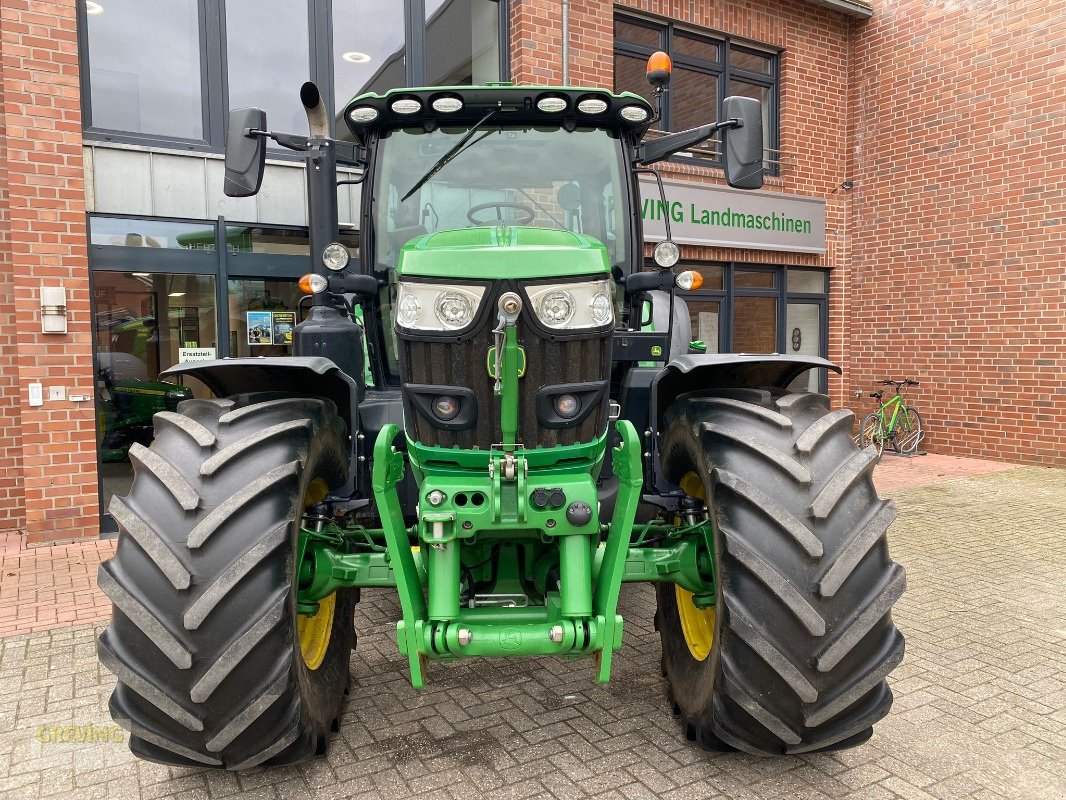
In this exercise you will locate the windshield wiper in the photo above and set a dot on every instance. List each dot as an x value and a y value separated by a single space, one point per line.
444 159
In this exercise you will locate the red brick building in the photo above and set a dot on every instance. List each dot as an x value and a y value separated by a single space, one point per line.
929 136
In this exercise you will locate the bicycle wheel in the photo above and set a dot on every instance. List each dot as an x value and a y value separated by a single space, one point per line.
909 431
871 433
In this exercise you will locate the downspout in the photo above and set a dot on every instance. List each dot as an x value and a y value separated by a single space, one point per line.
566 42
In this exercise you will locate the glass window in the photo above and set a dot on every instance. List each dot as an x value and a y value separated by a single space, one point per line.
755 279
368 48
278 241
695 47
754 324
144 67
629 72
806 281
750 61
803 336
462 42
627 30
543 177
694 99
707 69
706 321
145 322
268 59
158 233
262 315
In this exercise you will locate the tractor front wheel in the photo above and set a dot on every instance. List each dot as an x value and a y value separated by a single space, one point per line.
793 655
214 665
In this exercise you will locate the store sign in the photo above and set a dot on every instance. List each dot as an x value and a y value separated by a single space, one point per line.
723 217
187 354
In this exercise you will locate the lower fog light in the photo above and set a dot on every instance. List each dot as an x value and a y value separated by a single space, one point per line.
567 406
446 408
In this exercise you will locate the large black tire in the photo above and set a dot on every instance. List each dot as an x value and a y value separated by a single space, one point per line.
803 636
202 638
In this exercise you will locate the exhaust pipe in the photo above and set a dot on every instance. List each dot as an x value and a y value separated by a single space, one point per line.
317 119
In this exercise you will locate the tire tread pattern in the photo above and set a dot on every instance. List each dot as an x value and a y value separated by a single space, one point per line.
805 639
217 692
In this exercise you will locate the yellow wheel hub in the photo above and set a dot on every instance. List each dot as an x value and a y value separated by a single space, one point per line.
697 624
314 631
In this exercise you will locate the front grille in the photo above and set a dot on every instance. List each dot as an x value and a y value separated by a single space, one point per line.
463 363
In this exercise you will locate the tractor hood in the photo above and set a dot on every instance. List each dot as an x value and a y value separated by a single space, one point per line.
523 253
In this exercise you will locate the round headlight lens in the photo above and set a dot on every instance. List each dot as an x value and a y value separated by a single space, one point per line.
447 105
335 256
406 105
551 104
557 309
666 254
567 406
410 310
633 114
363 114
446 408
454 310
600 309
592 105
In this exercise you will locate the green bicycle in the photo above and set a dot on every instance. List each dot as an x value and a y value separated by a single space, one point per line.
894 422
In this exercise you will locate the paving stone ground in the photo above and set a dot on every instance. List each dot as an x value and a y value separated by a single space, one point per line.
980 707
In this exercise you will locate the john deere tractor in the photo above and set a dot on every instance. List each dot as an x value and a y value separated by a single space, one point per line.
515 428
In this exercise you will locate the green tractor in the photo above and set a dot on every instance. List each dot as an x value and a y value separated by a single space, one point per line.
515 428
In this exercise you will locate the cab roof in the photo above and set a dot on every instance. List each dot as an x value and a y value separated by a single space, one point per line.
517 104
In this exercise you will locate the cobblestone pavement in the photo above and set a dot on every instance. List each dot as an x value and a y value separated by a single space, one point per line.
979 709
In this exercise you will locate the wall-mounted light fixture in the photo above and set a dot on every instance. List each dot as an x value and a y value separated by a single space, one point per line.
53 309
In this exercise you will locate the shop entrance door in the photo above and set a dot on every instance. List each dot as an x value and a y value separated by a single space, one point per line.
144 323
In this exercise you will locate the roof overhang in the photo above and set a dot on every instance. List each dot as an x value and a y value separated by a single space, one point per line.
852 8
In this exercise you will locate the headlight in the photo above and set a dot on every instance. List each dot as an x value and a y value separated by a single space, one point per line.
436 307
455 310
573 305
556 308
335 256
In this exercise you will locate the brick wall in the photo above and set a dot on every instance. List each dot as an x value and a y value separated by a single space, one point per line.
12 504
44 244
958 220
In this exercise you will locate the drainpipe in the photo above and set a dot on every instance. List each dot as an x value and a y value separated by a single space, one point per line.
566 42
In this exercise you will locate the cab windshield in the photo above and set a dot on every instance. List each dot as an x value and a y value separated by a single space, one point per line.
510 175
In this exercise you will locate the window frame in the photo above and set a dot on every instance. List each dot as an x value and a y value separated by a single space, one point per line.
722 70
214 72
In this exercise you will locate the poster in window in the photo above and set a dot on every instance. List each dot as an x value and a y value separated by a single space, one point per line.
260 327
284 322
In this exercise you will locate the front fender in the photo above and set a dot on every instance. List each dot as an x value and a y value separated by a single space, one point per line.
314 376
692 372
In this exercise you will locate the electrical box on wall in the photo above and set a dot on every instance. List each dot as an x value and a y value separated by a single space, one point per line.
53 309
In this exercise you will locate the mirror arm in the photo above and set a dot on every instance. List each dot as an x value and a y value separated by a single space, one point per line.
347 152
658 149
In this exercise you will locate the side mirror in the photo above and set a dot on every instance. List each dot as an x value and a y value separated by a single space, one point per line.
245 155
743 144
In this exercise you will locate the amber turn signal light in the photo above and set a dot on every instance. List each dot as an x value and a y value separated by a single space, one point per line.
313 284
659 67
690 280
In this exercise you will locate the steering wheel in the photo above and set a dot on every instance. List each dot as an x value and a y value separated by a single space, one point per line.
527 213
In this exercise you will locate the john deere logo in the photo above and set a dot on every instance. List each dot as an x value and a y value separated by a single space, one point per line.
510 639
656 350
